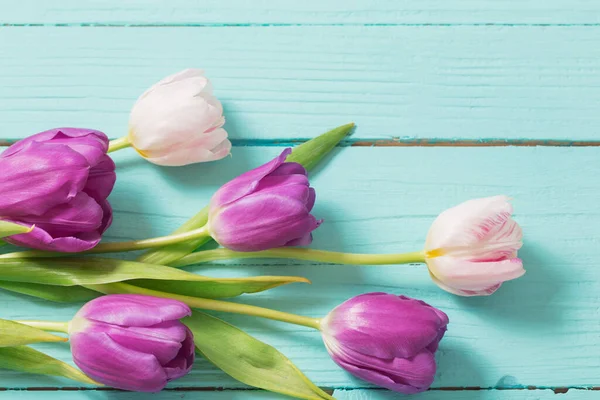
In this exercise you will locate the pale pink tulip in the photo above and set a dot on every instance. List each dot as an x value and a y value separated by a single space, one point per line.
471 249
178 121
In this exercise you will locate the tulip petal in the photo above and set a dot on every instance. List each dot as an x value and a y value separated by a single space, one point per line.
474 276
302 241
42 240
284 184
289 168
247 182
81 214
101 179
169 330
402 326
92 144
103 359
274 221
132 310
173 114
293 187
39 177
183 362
465 293
404 375
204 147
153 340
177 77
479 229
107 216
312 197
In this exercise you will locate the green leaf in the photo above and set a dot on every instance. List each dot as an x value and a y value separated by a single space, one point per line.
60 294
219 288
248 359
9 229
71 272
87 271
26 359
309 154
15 334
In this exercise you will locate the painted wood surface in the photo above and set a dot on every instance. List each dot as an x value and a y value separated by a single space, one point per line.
243 12
525 335
339 394
420 73
427 82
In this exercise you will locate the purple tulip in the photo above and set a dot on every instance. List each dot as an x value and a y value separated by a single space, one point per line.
385 339
58 180
132 342
264 208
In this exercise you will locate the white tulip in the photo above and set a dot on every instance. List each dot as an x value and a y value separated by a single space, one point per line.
471 249
178 121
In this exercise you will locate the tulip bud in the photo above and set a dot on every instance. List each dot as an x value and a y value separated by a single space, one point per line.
385 339
132 342
472 248
59 181
264 208
178 121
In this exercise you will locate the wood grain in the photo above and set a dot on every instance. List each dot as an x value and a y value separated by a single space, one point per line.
395 82
493 342
205 12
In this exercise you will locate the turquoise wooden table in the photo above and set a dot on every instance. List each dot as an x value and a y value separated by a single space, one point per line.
453 99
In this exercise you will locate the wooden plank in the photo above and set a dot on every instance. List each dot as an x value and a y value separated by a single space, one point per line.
339 394
541 330
185 12
417 82
468 395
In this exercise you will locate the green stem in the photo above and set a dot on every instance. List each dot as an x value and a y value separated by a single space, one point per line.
210 304
151 243
304 254
120 246
118 144
49 326
169 254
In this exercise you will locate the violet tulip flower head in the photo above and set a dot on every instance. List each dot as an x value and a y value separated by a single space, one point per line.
58 181
264 208
386 340
178 121
132 342
471 249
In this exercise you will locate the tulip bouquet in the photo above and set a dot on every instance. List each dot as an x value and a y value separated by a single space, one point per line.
142 322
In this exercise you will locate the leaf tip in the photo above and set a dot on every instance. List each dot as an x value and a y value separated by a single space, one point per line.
346 129
296 279
301 279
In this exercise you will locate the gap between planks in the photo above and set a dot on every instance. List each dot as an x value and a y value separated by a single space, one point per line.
411 143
